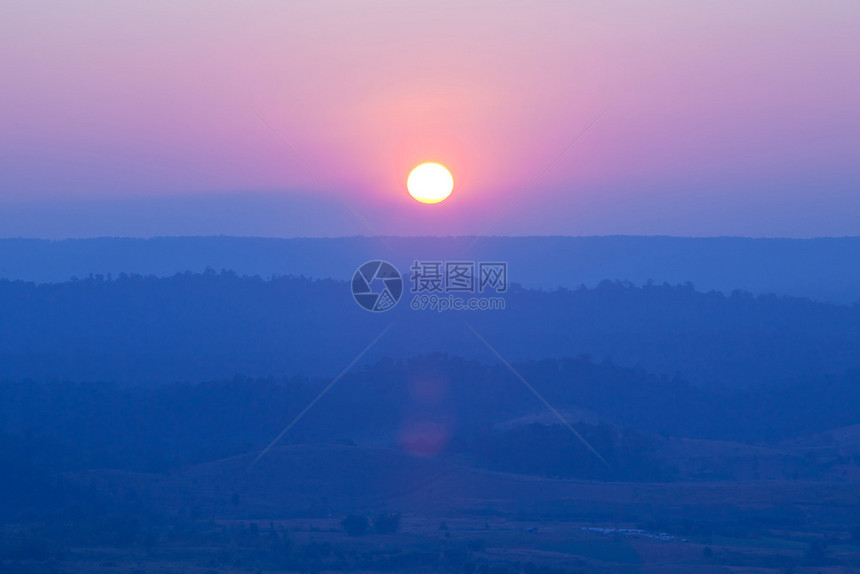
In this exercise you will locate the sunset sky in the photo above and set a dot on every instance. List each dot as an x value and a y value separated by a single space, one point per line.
706 118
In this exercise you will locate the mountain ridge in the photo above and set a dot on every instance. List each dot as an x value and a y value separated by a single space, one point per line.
821 268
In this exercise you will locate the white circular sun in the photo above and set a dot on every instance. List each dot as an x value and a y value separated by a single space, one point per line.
430 183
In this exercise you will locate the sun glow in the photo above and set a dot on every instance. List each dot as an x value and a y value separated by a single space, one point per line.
430 183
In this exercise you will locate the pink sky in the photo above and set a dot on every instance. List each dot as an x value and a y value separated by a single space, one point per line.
718 118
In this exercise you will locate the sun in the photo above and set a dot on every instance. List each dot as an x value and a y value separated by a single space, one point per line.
430 183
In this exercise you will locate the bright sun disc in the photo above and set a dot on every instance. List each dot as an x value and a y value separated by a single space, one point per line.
430 183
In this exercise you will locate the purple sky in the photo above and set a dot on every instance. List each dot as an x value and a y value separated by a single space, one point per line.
715 118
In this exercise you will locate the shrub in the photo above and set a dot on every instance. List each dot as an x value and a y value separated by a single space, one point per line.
386 523
355 524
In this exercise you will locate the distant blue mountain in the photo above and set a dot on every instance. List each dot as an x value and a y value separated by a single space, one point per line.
212 325
826 269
